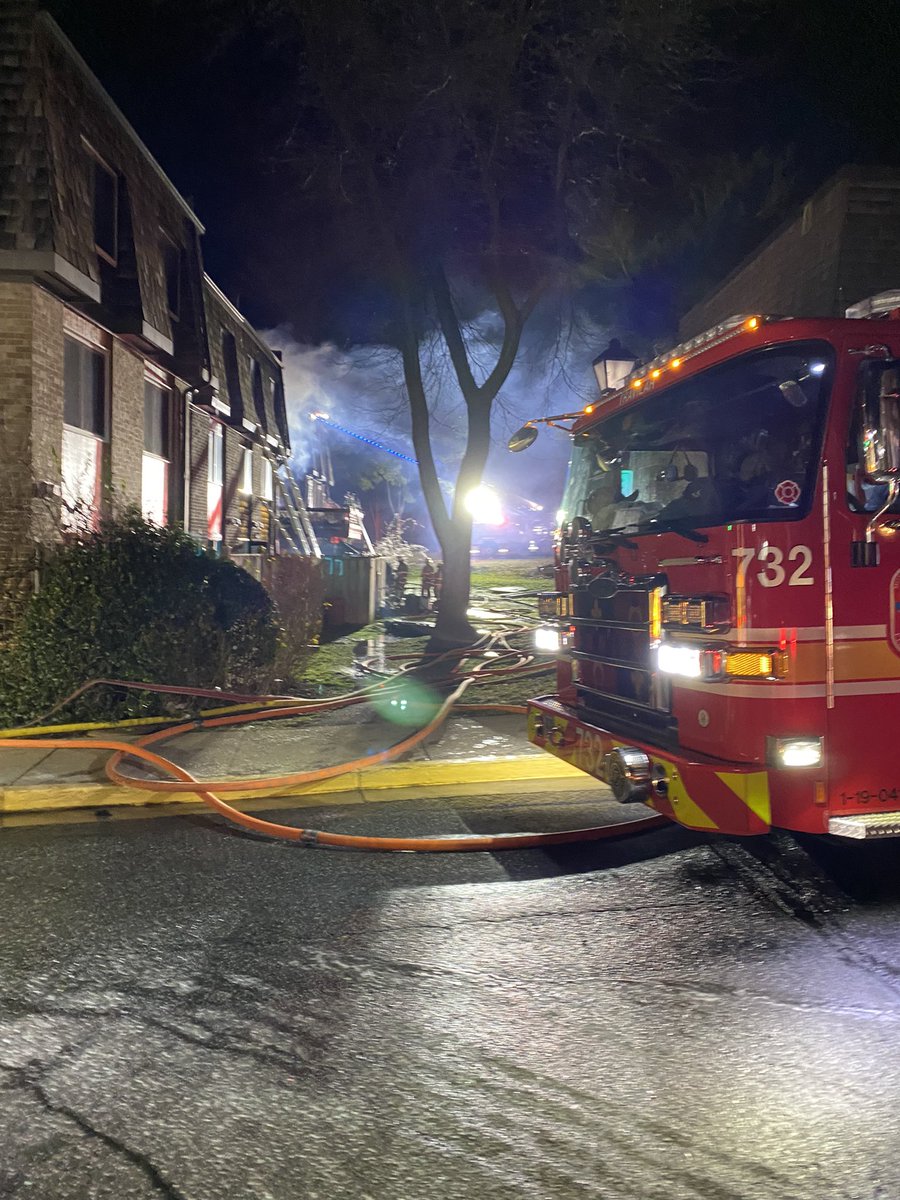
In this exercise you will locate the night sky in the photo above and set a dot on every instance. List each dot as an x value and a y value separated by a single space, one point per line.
814 84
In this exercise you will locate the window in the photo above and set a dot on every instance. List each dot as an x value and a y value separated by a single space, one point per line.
268 482
247 471
876 380
279 406
84 385
157 419
216 474
259 400
739 442
217 454
157 452
232 375
105 210
172 267
84 433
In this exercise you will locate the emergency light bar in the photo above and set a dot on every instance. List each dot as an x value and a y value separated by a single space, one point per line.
673 360
881 305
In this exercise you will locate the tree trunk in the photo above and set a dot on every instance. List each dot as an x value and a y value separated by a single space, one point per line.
452 628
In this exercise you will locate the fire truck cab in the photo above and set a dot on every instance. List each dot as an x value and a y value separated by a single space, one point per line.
726 612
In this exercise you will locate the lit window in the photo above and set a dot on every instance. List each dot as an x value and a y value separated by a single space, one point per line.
157 453
217 454
268 482
216 475
247 471
84 434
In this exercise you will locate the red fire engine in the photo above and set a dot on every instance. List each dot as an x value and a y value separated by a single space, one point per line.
726 617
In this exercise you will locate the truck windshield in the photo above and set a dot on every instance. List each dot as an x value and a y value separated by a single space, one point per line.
739 442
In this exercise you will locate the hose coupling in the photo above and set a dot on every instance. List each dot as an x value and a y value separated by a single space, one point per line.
309 837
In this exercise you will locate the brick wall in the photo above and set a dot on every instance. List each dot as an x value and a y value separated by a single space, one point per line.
126 426
794 273
31 358
48 316
16 323
843 245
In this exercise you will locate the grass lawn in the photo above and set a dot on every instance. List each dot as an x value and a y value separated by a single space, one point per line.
331 671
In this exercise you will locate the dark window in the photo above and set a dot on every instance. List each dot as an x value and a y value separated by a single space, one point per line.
280 408
157 421
259 399
172 262
232 375
106 211
875 379
84 385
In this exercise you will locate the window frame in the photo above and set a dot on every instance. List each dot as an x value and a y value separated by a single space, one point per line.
267 483
246 484
102 353
98 163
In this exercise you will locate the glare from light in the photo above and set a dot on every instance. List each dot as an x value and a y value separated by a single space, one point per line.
484 505
679 660
800 752
560 515
546 639
817 368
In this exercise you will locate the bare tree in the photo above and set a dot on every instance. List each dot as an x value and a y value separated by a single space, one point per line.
455 158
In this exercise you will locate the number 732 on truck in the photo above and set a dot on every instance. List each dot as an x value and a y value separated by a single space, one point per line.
726 612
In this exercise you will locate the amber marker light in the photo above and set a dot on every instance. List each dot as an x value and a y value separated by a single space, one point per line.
675 364
636 383
655 374
753 323
589 408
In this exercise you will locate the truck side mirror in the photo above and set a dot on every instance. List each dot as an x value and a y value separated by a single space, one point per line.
522 438
879 426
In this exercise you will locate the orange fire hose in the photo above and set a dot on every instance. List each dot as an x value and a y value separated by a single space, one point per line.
182 781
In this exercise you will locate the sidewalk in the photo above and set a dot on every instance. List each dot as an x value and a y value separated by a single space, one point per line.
469 749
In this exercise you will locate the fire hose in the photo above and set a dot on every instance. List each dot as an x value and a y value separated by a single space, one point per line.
263 708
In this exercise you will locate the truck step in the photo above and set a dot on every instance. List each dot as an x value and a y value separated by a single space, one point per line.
866 825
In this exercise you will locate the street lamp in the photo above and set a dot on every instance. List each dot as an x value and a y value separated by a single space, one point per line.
613 365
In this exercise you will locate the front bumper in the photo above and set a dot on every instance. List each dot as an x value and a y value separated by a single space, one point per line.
697 792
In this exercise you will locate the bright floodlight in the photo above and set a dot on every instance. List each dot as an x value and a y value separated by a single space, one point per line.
484 505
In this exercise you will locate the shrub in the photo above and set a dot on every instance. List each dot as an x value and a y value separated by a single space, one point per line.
136 602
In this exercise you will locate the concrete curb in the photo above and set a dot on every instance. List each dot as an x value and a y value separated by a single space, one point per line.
530 768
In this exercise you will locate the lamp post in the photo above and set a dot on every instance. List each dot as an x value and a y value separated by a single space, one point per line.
613 365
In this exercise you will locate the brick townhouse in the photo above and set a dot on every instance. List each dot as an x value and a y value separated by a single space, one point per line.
842 245
126 376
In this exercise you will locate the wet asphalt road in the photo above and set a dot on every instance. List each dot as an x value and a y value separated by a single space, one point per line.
189 1012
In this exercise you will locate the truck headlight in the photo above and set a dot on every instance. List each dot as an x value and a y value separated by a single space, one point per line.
674 659
796 752
709 662
547 639
691 662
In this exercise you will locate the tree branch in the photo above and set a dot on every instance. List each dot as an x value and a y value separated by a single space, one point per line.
449 324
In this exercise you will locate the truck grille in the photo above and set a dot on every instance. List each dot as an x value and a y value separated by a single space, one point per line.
613 657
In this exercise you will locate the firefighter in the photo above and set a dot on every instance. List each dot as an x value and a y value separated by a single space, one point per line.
400 577
427 581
